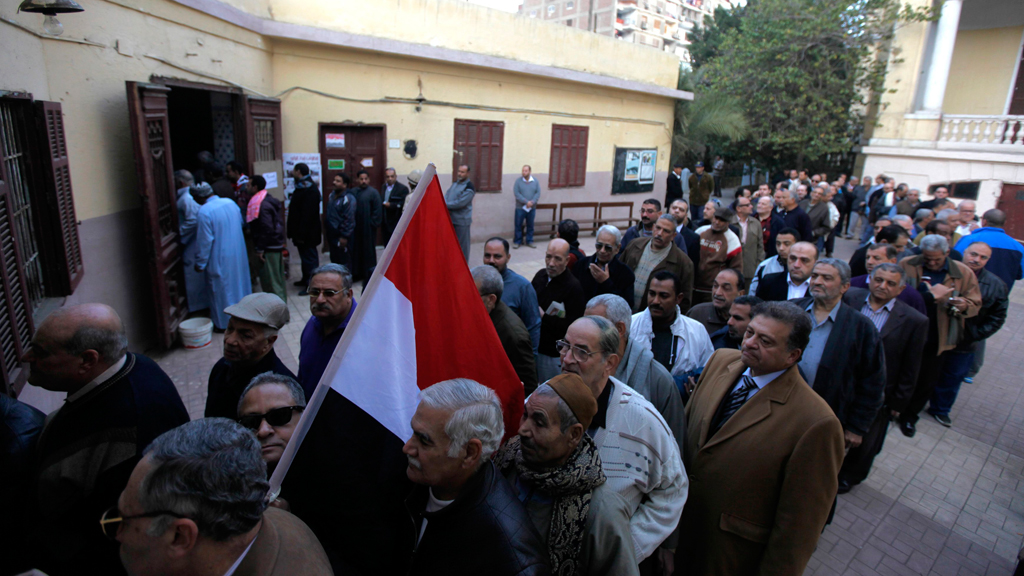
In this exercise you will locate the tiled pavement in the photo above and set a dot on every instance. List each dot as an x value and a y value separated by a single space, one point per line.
949 501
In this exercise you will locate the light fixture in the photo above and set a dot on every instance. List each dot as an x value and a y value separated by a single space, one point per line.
51 8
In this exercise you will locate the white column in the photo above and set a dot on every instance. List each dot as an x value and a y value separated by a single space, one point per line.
942 57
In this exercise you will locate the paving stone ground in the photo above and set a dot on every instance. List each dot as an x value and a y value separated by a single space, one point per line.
947 502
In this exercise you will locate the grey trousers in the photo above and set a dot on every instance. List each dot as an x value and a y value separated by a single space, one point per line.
547 367
462 233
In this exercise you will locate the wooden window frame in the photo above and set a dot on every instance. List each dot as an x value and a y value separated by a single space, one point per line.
487 177
569 145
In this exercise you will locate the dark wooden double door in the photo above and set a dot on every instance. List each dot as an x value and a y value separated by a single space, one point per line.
349 148
258 130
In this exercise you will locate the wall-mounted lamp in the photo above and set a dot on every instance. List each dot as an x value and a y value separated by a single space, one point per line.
51 8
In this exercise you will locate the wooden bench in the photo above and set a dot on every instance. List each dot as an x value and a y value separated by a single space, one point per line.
629 220
549 227
586 224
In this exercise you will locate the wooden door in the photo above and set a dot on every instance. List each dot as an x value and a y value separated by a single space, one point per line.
147 109
349 148
262 131
1011 201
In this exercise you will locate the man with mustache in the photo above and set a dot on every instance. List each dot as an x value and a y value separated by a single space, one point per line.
249 340
332 307
740 314
554 468
714 315
464 518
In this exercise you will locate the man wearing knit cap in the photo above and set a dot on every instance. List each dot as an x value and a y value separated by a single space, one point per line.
641 457
555 469
248 351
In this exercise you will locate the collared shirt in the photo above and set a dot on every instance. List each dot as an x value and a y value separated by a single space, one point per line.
316 350
880 317
106 375
649 260
819 338
796 290
601 417
387 190
761 381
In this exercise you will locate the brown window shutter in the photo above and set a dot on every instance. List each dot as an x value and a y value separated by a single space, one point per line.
66 265
479 145
568 156
15 316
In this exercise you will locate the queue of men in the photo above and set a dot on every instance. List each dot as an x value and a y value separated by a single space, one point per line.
651 374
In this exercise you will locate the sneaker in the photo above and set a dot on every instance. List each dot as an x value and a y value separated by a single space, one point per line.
968 380
530 245
516 246
943 419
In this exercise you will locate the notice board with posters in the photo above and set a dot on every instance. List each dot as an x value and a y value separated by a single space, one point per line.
634 170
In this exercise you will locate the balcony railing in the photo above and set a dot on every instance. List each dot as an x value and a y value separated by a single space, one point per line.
964 129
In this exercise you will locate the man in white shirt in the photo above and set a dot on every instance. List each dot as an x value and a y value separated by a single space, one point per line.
968 219
680 343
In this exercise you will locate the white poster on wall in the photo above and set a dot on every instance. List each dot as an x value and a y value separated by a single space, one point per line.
648 160
311 160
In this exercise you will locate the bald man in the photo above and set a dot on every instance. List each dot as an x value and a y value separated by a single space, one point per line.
117 403
562 300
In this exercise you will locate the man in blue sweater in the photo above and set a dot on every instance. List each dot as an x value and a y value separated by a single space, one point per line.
527 192
1007 260
518 294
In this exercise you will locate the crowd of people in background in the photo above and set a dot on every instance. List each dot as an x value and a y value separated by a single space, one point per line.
655 370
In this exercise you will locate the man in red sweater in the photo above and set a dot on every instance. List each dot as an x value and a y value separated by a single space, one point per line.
720 248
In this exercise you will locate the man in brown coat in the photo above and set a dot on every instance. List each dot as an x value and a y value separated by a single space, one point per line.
647 256
515 338
951 295
702 185
766 519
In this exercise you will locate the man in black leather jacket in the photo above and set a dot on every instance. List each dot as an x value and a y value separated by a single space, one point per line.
957 362
464 518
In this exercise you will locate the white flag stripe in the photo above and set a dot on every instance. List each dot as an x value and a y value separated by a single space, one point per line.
378 372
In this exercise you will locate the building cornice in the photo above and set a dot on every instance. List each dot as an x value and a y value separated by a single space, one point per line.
288 31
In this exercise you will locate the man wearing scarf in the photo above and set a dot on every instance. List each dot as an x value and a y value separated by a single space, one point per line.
265 217
555 469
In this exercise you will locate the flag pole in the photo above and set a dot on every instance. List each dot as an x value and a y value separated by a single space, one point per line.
317 399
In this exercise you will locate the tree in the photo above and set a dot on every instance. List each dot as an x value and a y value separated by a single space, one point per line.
805 73
706 40
707 120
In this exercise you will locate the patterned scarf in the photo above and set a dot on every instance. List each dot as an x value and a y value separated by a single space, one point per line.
571 486
252 211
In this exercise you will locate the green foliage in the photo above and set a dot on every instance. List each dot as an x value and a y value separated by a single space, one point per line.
706 41
707 120
806 73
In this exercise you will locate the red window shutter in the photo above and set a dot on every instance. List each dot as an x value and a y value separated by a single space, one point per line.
568 156
479 145
15 314
67 266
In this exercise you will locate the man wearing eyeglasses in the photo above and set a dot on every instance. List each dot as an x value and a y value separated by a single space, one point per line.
628 431
603 273
194 506
332 306
248 351
270 407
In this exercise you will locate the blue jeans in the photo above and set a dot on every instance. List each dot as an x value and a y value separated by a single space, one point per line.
955 367
523 215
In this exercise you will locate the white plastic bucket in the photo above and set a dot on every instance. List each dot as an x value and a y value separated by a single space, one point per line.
196 333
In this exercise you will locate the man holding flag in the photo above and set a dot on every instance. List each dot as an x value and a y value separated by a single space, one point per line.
420 321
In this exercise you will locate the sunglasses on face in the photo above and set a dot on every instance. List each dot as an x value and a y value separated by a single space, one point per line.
111 519
602 247
276 417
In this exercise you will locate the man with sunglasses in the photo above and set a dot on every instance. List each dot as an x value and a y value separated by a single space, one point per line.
603 273
332 306
248 351
270 407
629 431
194 506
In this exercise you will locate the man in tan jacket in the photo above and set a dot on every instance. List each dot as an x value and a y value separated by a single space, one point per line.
951 295
647 256
763 451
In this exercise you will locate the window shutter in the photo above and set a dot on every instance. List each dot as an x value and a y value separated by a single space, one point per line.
15 316
67 266
568 156
479 145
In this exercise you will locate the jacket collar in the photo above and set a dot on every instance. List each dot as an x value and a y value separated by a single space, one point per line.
472 493
756 409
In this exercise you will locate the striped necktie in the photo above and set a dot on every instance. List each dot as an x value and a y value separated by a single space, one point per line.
734 401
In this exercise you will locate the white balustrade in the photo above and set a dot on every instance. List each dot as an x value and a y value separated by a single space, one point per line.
983 130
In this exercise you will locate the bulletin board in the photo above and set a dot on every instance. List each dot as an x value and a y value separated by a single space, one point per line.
634 170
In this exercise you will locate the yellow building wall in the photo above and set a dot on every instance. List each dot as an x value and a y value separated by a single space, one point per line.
461 25
89 80
904 71
624 119
981 71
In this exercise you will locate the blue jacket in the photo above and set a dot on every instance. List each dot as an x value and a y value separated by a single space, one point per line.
522 299
1007 260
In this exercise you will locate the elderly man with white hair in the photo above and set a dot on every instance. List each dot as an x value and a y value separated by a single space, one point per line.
464 517
603 273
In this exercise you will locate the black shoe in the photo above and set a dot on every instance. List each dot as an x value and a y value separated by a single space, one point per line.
943 419
303 292
845 485
300 283
908 429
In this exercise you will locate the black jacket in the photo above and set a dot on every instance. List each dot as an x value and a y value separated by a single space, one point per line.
689 242
229 379
393 213
619 282
268 230
903 337
485 531
515 339
800 221
995 302
774 287
304 213
775 225
673 189
566 289
721 339
851 375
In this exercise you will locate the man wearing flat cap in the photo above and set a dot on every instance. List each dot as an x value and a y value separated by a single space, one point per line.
248 351
555 469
